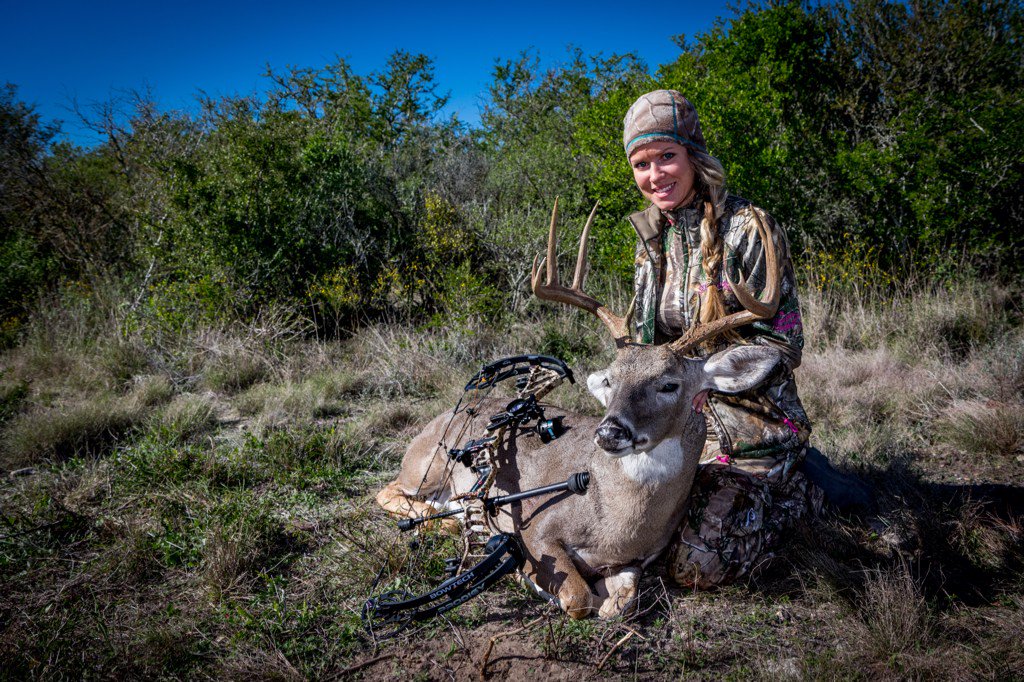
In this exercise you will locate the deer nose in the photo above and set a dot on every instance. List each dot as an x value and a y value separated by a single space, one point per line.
612 435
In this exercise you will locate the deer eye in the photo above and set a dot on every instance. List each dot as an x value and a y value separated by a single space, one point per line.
669 388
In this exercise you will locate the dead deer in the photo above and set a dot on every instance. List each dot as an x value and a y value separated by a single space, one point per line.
588 552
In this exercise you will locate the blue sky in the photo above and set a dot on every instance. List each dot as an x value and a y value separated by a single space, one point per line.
58 51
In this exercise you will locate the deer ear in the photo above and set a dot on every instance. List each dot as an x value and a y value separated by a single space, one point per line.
740 368
598 385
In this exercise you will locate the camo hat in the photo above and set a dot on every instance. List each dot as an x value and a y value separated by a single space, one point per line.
662 115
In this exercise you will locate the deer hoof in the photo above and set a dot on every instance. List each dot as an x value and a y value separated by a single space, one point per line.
619 594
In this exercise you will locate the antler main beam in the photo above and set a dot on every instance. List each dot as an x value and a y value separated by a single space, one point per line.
552 290
755 309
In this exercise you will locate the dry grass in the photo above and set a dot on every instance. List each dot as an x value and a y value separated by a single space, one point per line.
185 417
983 427
894 613
81 429
203 507
150 390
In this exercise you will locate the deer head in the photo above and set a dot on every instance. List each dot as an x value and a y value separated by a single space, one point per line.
647 388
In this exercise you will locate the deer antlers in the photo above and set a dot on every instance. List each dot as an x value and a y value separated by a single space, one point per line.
754 308
574 296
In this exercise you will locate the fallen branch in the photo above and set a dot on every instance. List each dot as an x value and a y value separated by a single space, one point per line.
611 651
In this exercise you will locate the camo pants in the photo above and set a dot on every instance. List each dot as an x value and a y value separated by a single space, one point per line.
738 509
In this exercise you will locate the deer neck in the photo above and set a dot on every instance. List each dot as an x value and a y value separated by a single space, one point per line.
666 461
661 464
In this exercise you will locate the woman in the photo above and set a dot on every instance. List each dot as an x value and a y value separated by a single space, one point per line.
694 240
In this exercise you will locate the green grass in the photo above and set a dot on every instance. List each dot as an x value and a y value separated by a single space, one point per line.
187 517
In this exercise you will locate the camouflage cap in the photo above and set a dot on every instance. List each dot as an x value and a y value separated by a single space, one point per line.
662 115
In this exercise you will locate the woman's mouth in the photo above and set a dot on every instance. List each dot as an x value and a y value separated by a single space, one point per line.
664 191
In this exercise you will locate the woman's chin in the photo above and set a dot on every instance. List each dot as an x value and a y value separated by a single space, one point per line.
666 204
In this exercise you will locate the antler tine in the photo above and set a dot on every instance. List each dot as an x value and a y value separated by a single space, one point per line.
770 305
552 240
551 290
755 309
580 275
550 260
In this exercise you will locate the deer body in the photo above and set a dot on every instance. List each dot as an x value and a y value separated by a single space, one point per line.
588 551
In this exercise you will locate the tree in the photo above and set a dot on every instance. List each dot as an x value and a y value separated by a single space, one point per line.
404 96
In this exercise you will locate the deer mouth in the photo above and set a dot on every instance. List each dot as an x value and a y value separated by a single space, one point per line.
619 452
637 446
617 440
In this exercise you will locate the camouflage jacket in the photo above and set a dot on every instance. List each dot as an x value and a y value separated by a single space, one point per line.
765 422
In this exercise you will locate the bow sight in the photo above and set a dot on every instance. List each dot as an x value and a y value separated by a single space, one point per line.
386 614
523 410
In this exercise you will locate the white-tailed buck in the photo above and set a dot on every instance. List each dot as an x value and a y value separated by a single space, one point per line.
588 551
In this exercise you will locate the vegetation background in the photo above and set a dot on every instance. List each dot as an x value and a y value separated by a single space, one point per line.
219 330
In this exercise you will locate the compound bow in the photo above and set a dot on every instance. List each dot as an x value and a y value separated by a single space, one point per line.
392 610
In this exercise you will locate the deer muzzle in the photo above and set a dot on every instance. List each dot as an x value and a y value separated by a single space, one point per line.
613 436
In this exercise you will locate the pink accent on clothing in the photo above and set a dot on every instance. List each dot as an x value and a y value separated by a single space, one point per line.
724 459
724 286
787 321
791 425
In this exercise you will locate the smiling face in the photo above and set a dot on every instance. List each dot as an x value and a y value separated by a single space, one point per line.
663 173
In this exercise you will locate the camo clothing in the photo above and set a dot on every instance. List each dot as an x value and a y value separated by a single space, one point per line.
736 514
746 491
669 281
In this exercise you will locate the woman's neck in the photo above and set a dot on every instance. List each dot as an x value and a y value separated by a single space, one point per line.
691 203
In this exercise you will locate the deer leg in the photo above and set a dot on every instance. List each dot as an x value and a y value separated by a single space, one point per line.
394 499
553 573
616 594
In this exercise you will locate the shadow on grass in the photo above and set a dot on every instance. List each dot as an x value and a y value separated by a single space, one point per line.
961 544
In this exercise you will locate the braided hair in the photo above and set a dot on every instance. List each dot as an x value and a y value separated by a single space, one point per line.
710 181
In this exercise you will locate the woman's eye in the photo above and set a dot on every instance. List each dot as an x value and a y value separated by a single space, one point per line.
668 155
669 388
640 165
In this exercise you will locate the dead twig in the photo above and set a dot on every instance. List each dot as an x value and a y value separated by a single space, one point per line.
359 666
495 638
623 640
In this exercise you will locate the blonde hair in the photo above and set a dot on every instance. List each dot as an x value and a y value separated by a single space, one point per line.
710 182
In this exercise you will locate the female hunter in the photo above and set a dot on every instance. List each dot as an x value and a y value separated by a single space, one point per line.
694 239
